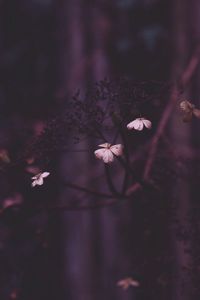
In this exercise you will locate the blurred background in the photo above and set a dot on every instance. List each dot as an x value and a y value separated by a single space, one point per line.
48 50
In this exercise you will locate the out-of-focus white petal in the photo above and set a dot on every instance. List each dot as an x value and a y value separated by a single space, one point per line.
127 282
32 169
12 201
134 283
117 149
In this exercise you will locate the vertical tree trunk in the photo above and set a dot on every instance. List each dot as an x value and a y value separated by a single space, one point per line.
185 36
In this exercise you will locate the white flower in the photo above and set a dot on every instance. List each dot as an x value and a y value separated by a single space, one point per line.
108 151
127 282
38 179
139 124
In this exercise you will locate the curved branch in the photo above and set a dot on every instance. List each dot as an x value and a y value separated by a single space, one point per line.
175 93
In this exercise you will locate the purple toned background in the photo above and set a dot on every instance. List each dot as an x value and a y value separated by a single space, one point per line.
48 50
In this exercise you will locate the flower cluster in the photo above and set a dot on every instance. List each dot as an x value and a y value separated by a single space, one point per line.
105 106
101 116
107 151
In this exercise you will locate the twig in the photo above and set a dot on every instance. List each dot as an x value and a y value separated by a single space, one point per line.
175 93
94 205
88 191
127 160
97 204
110 182
117 122
142 182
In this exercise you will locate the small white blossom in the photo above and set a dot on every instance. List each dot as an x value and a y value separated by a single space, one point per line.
139 124
38 179
108 151
127 282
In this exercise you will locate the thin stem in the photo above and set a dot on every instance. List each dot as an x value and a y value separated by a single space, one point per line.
144 183
97 204
108 176
88 191
110 182
100 134
116 136
127 161
117 122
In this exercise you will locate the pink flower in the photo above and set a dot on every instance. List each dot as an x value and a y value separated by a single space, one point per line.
139 124
127 282
108 151
38 179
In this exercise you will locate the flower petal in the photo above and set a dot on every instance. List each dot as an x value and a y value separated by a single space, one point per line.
108 157
105 145
33 183
39 181
45 174
117 149
134 283
132 124
100 153
137 124
147 123
140 126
